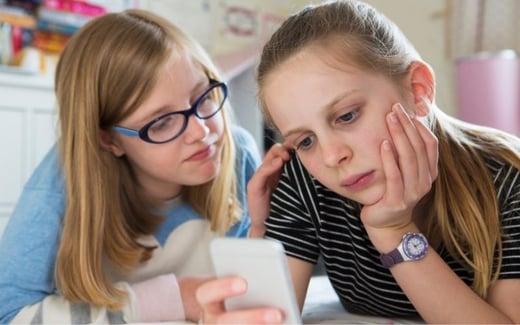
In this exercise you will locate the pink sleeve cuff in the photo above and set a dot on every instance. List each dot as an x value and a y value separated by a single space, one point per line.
159 299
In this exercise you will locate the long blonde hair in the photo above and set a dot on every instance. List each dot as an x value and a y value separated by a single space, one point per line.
462 207
105 72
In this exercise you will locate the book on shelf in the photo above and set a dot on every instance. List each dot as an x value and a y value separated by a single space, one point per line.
49 41
58 20
50 26
16 17
62 17
75 6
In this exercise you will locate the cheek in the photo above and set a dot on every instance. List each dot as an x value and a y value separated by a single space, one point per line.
156 157
374 131
315 165
216 124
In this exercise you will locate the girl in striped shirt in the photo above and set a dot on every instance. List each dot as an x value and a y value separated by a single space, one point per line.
412 211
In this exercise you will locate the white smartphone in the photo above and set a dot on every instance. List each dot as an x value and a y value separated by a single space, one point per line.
263 264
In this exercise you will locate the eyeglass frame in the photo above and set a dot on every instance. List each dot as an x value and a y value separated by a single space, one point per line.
142 133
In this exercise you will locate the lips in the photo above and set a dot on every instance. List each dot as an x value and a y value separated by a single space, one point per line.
201 154
357 181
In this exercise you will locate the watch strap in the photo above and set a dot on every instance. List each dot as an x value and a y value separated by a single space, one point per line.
390 259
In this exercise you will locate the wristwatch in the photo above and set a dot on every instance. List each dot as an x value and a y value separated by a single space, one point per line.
413 247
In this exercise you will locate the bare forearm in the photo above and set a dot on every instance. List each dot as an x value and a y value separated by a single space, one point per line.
440 296
256 232
437 293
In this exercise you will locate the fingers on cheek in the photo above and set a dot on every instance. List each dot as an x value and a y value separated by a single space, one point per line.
388 156
392 122
398 122
395 129
388 151
432 145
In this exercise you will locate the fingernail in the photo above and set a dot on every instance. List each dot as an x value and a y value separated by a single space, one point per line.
386 145
273 316
392 117
277 161
238 286
411 114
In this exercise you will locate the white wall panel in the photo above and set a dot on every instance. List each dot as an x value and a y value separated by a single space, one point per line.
27 131
12 155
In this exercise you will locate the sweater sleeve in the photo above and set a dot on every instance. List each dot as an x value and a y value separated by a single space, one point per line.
54 309
154 300
158 299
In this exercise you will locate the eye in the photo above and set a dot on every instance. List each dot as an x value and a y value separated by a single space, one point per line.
165 125
204 102
208 104
305 143
349 117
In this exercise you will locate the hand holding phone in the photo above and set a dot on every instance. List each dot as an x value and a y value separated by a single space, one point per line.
263 264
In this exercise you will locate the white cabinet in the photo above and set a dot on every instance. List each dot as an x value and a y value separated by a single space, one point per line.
27 131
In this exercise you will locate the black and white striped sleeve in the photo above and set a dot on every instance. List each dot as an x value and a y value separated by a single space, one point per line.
290 219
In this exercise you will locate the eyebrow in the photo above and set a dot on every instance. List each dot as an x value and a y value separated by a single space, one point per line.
332 103
200 86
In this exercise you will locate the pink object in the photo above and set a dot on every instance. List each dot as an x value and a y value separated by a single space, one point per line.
76 6
488 90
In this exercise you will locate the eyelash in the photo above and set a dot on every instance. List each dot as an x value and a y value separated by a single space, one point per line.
300 145
353 115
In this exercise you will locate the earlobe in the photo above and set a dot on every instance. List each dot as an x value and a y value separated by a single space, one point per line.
422 83
107 143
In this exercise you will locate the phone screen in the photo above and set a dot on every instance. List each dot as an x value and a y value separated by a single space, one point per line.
263 264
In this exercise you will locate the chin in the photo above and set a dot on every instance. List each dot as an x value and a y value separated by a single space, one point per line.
208 172
368 197
371 197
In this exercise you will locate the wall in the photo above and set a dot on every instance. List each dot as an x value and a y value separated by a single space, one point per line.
424 23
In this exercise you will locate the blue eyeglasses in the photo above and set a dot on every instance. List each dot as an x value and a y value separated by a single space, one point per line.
169 126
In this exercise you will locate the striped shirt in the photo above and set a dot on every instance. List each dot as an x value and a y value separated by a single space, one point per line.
313 221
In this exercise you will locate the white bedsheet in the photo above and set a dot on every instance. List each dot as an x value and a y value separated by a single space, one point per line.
322 306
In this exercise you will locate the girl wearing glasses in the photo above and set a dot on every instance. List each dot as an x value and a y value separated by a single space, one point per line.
114 224
413 212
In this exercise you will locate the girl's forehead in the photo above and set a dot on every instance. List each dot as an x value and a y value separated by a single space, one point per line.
313 62
181 65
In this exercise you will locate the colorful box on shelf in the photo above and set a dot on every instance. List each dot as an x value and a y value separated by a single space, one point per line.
74 6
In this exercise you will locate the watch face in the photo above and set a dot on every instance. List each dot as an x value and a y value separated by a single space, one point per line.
415 246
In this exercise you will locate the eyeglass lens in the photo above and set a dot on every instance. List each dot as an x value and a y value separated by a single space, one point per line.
172 125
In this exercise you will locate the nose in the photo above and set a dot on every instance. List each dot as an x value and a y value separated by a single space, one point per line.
334 152
196 129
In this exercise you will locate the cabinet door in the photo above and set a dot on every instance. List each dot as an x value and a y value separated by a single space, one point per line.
27 131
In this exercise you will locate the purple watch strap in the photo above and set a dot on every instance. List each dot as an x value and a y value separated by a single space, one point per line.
392 258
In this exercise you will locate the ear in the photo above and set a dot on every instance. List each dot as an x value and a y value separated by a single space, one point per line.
110 144
422 82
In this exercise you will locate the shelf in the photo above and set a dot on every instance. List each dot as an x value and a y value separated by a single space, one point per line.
230 64
27 80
